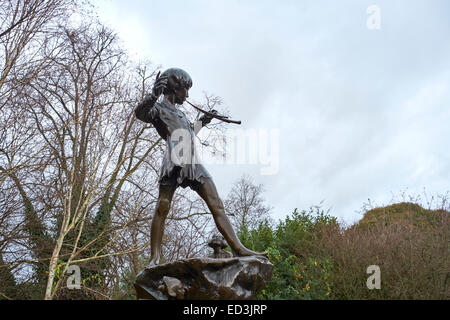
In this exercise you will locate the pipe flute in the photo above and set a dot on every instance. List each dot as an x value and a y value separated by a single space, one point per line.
217 116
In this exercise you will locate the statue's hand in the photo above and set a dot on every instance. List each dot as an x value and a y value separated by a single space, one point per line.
159 85
206 118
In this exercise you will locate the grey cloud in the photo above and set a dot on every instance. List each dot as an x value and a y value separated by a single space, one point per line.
361 113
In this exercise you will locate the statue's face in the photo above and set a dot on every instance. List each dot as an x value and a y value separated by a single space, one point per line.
181 95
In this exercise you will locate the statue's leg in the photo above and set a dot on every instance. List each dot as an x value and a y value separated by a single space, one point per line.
208 192
166 192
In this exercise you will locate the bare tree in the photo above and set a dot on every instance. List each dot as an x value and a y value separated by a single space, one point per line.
25 27
78 175
84 106
245 204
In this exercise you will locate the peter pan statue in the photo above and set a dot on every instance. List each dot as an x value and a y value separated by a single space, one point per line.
171 124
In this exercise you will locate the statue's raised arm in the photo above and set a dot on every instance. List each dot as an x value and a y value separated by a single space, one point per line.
144 107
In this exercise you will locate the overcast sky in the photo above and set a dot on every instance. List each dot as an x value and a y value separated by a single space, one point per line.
362 113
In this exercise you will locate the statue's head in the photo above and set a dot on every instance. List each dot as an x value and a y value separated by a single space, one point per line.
178 84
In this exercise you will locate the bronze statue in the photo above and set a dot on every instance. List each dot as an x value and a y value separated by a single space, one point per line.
174 84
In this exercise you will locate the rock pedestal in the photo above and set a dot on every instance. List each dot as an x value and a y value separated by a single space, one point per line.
205 279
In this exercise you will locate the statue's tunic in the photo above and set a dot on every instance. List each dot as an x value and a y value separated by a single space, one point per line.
171 123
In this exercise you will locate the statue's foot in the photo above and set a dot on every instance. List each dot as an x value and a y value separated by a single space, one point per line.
244 252
153 262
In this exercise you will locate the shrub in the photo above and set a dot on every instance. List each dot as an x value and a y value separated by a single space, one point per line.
315 258
407 242
295 276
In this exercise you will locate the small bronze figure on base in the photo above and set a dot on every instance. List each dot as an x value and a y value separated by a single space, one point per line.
218 244
168 120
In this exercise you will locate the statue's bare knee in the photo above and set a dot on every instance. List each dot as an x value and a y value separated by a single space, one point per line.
216 206
212 199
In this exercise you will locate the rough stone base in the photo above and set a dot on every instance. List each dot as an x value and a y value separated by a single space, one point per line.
205 279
